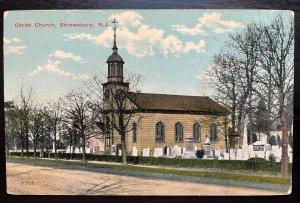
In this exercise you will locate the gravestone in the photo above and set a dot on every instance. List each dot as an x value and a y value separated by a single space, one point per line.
113 150
134 151
146 152
88 150
158 152
232 154
239 154
226 156
268 153
217 152
177 150
245 155
189 152
261 154
68 149
222 151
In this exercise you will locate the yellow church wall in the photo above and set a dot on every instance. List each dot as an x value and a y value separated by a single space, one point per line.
146 130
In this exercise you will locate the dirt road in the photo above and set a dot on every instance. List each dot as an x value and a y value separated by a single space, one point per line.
37 180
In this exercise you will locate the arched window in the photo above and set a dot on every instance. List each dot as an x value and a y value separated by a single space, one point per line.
213 132
178 132
112 69
159 132
134 132
197 132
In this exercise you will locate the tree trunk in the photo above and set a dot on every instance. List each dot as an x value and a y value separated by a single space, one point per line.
22 148
34 148
123 142
285 141
83 149
226 134
83 154
55 150
27 139
269 107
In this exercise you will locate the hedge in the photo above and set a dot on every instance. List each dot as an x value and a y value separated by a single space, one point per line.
248 165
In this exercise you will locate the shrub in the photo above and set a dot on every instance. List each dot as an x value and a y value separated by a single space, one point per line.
272 158
253 164
256 159
200 153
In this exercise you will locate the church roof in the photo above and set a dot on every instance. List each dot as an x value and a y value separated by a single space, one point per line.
177 103
115 57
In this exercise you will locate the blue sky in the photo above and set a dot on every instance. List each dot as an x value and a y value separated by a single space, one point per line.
169 49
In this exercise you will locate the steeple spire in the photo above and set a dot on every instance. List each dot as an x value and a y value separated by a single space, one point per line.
115 48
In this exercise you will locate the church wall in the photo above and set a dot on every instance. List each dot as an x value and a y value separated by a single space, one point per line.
146 130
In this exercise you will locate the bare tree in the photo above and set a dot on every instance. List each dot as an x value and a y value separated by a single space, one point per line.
54 111
37 126
10 125
276 51
225 77
245 46
24 110
115 107
81 117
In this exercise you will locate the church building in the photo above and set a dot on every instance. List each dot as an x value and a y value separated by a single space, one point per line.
164 121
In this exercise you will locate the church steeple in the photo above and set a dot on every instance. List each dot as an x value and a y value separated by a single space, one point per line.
115 61
115 48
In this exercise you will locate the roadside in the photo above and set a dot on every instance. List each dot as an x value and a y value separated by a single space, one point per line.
52 180
167 173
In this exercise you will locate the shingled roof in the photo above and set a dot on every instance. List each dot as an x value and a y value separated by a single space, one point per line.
178 103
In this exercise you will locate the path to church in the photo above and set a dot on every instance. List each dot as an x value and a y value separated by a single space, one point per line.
28 179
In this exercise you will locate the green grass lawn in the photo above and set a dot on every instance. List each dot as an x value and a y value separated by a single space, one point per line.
206 174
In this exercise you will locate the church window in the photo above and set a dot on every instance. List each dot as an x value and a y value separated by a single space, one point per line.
159 132
134 132
178 132
213 132
112 70
197 132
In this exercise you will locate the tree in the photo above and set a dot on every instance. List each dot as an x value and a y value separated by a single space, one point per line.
53 114
24 111
245 46
276 58
261 117
10 126
37 127
115 108
81 117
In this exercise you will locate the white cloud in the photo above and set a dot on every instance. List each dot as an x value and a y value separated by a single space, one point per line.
212 21
53 68
138 39
197 30
196 47
66 55
127 18
13 46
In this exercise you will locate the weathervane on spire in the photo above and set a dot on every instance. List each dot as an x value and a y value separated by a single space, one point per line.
115 48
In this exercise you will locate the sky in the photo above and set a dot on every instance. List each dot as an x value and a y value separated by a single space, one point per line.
168 49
